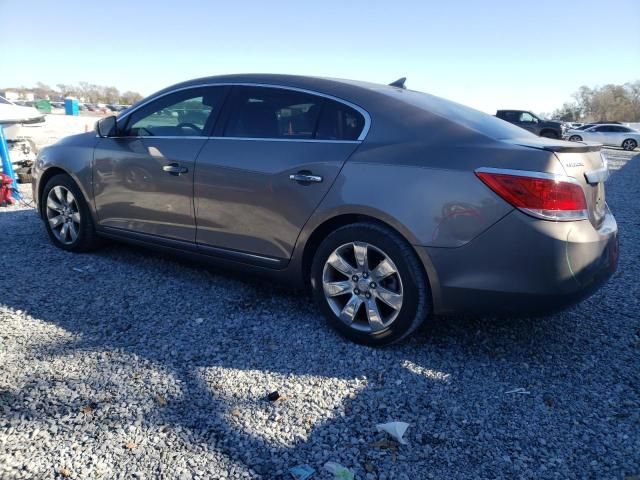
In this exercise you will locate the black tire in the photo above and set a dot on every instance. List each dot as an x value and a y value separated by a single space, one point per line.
575 138
549 134
629 144
416 302
87 239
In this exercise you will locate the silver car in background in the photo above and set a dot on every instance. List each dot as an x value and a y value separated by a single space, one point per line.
610 134
390 204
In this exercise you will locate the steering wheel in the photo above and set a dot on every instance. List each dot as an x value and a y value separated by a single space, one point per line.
192 126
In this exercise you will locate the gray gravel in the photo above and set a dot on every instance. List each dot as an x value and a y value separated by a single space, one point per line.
125 364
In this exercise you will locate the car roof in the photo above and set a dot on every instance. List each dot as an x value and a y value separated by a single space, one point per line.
390 108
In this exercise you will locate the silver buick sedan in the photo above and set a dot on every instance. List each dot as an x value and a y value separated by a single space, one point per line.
390 204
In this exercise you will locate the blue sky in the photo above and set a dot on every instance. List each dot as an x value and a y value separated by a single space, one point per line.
486 54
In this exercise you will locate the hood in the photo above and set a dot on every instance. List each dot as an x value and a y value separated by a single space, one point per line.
17 114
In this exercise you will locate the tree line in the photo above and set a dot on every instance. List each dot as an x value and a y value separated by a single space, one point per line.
600 104
85 91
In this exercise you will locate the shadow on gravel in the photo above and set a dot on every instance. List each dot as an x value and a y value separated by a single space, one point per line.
451 381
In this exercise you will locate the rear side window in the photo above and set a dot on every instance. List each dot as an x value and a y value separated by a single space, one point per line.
261 112
339 122
510 116
264 112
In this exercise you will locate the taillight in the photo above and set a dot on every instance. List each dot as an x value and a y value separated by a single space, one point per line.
543 195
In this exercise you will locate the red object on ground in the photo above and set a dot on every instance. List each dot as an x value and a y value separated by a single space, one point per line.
5 190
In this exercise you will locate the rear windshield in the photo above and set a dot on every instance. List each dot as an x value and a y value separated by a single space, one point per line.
468 117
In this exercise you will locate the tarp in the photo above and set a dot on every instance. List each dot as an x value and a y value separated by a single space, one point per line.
7 168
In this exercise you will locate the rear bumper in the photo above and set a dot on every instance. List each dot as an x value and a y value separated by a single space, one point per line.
524 266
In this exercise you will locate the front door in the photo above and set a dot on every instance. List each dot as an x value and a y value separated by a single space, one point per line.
528 122
275 155
143 176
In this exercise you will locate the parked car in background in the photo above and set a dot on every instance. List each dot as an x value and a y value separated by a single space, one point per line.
13 116
529 121
390 204
612 134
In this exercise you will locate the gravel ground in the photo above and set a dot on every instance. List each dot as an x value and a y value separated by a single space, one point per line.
125 364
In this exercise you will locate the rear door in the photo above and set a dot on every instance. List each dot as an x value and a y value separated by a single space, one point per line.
275 154
618 135
596 134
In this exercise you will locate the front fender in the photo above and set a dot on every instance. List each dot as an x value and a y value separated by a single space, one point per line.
73 156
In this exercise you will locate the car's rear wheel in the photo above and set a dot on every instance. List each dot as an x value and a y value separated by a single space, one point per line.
575 138
370 285
629 144
549 134
66 215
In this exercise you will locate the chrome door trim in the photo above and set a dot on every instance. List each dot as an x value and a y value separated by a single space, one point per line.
365 114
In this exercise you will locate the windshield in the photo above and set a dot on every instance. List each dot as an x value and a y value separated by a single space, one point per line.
5 101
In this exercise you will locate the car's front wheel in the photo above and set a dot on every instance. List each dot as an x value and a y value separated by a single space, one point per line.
629 144
370 285
66 215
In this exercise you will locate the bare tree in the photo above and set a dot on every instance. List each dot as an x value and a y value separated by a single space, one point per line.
606 103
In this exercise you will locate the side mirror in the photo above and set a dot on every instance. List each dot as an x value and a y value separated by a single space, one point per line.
107 126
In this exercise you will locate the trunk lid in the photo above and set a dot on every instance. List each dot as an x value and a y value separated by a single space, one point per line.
583 161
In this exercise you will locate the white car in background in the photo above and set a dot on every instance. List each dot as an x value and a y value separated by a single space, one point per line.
13 116
607 134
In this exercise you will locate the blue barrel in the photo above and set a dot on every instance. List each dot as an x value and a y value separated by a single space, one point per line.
71 106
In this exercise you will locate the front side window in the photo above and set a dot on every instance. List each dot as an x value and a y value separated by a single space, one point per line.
180 114
526 117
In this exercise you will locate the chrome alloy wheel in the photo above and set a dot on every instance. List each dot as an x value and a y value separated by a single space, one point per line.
63 214
629 144
362 286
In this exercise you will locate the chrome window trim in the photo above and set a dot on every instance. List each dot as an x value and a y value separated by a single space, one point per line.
528 173
269 139
253 139
363 112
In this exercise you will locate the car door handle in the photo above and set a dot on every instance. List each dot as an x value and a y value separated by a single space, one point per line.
305 178
175 169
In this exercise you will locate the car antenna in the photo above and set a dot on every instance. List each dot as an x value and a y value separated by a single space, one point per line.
399 83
